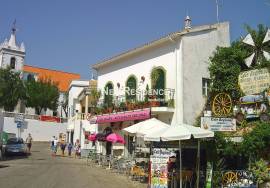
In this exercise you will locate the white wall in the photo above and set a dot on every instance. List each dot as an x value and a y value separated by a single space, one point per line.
197 48
75 89
6 56
140 65
40 130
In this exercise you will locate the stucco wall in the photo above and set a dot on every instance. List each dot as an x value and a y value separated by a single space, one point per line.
40 131
139 65
75 89
197 48
6 60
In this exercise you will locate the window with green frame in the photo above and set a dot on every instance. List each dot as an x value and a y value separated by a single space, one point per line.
158 82
132 85
108 95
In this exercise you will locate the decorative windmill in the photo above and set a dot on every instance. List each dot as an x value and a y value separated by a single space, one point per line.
256 52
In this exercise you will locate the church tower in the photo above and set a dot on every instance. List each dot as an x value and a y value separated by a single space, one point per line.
11 54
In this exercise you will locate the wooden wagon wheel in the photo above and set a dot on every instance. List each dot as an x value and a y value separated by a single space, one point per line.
222 104
229 178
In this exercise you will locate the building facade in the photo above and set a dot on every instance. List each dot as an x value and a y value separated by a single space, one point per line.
176 65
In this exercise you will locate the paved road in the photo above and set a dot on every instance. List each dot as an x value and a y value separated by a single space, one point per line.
40 170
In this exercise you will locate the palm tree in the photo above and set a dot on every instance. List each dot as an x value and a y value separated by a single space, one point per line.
257 45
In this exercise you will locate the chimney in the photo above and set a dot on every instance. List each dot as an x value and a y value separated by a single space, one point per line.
187 23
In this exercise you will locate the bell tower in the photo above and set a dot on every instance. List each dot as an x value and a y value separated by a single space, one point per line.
11 54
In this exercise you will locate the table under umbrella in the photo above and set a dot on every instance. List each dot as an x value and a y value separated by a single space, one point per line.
180 132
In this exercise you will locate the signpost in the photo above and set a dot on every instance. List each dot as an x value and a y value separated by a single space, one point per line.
19 119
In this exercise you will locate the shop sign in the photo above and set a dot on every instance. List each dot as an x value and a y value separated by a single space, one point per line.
218 124
159 167
127 116
254 81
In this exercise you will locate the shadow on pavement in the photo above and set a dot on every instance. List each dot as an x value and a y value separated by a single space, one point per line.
4 166
10 157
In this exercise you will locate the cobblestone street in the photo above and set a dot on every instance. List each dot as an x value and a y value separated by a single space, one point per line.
40 170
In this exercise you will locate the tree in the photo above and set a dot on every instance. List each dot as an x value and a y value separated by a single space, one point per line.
94 97
42 95
226 64
11 89
64 103
256 144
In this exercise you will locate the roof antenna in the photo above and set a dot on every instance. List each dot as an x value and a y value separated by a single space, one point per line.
217 10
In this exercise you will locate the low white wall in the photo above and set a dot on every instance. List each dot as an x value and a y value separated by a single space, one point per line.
40 130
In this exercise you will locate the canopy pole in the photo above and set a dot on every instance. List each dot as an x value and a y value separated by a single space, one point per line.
180 163
198 164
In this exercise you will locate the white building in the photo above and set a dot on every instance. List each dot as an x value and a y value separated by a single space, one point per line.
181 60
76 120
11 54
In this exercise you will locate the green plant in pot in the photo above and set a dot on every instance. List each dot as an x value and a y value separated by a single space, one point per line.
261 173
122 106
171 103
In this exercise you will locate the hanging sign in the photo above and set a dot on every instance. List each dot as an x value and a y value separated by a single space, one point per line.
127 116
218 124
254 81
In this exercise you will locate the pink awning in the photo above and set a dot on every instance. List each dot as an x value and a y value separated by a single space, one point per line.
126 116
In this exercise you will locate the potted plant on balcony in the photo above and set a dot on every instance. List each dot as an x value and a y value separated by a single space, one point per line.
122 106
171 103
154 78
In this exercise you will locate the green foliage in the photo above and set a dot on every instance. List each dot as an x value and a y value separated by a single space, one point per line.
154 77
42 95
260 171
11 89
226 64
108 95
95 95
146 96
171 103
64 103
257 142
217 173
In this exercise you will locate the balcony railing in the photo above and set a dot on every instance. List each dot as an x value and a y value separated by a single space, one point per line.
120 103
32 116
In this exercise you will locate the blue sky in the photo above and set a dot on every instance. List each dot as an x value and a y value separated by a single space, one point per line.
70 35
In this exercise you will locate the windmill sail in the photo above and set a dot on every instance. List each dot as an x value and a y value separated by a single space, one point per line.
267 36
248 40
266 55
249 60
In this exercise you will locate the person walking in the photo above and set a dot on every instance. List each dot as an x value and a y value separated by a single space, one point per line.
29 141
63 146
52 145
69 149
78 151
55 144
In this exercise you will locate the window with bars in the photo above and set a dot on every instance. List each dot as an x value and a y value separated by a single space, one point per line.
205 86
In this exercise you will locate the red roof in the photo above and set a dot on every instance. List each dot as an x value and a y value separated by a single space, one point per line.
63 79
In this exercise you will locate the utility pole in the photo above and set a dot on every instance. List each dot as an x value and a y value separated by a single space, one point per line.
217 8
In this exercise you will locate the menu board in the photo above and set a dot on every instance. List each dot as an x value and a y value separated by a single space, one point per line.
159 167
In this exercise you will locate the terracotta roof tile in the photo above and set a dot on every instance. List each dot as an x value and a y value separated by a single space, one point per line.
62 78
